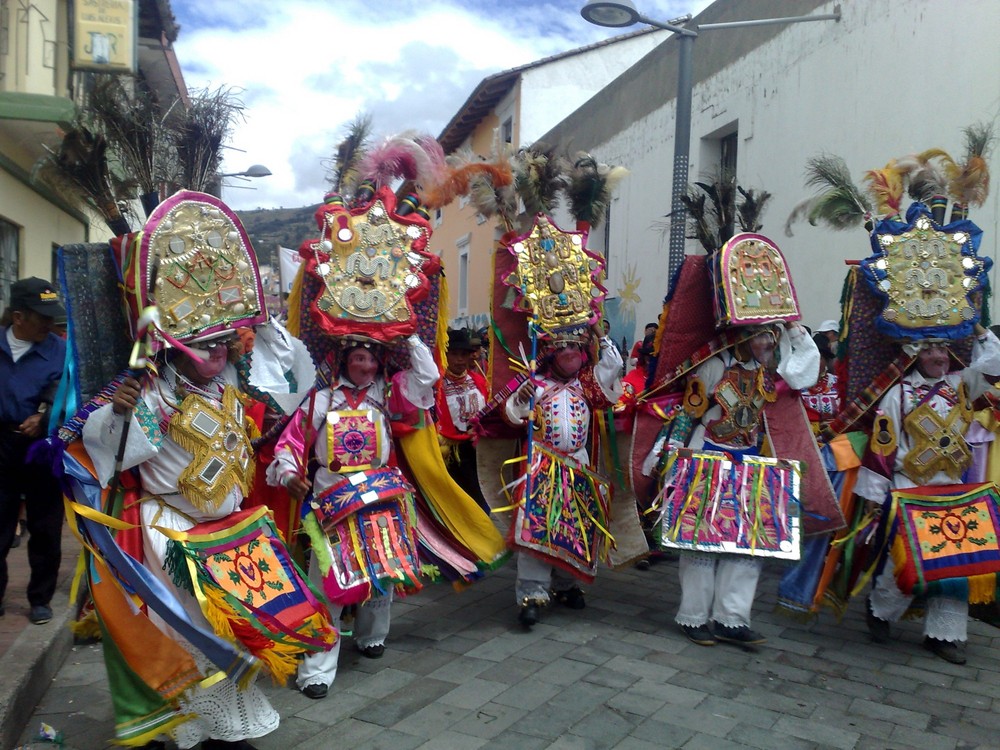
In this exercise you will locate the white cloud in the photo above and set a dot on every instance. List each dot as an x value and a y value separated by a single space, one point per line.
306 68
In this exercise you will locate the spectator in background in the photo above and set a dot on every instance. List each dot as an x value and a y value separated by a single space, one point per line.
826 336
31 364
648 333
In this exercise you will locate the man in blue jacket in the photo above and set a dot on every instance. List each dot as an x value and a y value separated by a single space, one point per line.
31 363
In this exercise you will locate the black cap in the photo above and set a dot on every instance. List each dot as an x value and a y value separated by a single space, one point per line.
463 340
37 295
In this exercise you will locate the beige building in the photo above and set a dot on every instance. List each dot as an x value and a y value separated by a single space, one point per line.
38 93
515 107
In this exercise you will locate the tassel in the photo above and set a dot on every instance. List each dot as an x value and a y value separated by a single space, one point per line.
983 588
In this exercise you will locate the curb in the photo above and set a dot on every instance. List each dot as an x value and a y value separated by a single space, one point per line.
29 666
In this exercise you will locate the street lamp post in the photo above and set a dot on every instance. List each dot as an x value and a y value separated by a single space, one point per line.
256 170
620 13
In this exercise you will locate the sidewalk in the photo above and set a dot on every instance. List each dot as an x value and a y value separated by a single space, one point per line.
460 673
31 655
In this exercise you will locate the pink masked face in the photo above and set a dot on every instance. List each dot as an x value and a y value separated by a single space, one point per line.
762 347
933 361
361 367
567 361
218 355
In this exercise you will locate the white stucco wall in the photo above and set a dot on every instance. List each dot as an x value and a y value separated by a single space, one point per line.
549 91
891 77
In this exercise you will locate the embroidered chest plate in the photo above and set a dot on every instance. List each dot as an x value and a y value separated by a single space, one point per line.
562 418
937 443
741 398
354 439
464 400
217 436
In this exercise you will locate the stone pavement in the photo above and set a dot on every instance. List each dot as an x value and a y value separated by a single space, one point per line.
459 673
30 655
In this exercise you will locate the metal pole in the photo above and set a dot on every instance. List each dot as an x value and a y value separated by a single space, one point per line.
682 153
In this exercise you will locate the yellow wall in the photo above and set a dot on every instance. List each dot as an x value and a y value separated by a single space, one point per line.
36 57
458 222
42 226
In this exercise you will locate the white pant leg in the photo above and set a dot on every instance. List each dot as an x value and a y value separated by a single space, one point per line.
888 602
735 585
534 579
947 619
371 625
320 667
697 575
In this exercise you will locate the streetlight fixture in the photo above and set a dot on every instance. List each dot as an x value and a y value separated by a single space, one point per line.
256 170
620 13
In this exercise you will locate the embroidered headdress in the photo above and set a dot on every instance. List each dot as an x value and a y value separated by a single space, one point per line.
194 261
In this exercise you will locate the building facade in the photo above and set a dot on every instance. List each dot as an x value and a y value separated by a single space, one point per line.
39 95
891 77
512 109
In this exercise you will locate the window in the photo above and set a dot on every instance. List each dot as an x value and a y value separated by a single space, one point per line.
507 130
9 260
463 275
728 146
719 152
438 217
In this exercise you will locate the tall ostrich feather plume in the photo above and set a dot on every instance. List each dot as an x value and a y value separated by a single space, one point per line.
539 175
751 208
468 173
409 155
840 204
928 173
202 131
971 182
886 187
79 171
136 132
350 151
590 188
715 208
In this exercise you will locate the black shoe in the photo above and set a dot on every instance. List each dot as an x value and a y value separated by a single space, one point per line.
528 615
40 614
3 610
373 652
739 634
572 598
643 564
154 745
223 745
878 627
951 651
315 691
699 634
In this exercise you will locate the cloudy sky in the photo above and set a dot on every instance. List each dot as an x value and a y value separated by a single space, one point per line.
305 68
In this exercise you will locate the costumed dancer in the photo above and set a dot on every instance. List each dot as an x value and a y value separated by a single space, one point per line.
546 294
345 427
561 519
218 585
367 299
917 358
722 503
924 436
461 394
